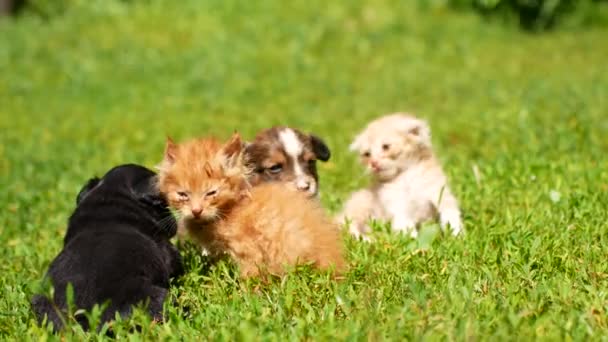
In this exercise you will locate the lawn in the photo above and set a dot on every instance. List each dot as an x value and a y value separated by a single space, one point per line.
519 121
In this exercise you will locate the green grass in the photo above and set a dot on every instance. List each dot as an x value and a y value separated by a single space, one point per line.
104 84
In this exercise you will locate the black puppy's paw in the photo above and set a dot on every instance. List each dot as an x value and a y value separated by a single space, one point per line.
43 307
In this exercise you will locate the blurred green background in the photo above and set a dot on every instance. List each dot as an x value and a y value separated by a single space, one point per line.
519 116
533 15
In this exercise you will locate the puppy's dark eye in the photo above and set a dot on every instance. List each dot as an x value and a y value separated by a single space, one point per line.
276 168
182 195
211 193
366 154
385 147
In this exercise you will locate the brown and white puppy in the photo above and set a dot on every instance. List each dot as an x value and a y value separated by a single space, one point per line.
286 154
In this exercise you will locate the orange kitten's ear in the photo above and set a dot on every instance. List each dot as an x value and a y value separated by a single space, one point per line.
170 150
233 156
234 146
208 169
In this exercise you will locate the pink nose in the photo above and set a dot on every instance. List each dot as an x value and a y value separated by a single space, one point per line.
305 186
374 164
196 212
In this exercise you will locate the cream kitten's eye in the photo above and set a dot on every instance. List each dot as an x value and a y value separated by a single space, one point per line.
211 193
182 195
366 154
276 168
385 147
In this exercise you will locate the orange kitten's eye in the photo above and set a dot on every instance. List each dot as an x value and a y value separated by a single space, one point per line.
366 154
385 147
276 168
182 195
211 193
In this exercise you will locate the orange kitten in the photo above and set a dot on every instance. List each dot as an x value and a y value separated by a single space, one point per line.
263 228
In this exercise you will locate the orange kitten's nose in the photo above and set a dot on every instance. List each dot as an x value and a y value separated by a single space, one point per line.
196 212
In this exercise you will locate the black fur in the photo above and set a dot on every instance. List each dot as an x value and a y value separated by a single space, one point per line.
319 148
116 249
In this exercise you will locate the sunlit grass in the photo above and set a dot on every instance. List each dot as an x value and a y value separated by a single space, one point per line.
105 83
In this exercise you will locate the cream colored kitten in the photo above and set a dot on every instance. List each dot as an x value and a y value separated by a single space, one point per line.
409 185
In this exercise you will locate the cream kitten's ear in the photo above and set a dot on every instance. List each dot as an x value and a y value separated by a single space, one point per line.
416 128
355 146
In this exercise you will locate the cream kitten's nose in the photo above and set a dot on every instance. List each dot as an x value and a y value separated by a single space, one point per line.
374 164
196 212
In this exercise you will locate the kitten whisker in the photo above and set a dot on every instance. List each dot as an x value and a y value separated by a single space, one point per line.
219 216
165 220
166 225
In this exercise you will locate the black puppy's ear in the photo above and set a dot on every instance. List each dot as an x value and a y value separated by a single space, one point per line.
92 183
154 200
320 148
147 192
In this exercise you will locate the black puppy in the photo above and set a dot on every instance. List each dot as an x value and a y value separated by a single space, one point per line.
116 249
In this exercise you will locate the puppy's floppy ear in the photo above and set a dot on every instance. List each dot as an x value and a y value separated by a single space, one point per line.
91 184
319 148
146 191
154 200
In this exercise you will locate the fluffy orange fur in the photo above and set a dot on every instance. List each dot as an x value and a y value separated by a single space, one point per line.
264 229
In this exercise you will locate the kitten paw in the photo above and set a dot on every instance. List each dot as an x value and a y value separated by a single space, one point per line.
451 218
456 230
406 226
364 238
359 232
414 233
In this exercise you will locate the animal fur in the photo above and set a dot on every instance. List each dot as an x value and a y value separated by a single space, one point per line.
116 249
263 228
287 155
409 186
